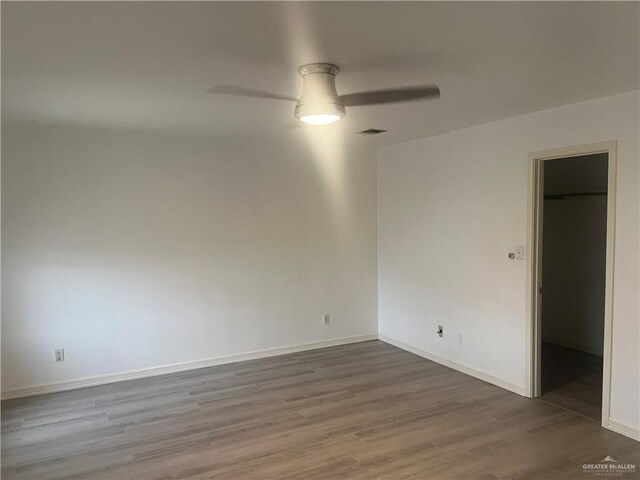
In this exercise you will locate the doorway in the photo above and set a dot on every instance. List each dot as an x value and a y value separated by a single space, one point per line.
570 265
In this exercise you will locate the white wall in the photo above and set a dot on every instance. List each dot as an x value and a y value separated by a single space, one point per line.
450 209
135 250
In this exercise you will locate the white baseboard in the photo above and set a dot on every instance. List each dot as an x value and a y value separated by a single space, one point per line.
178 367
456 366
623 429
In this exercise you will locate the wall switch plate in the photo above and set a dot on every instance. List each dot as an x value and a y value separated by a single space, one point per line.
326 319
59 354
520 252
440 331
460 339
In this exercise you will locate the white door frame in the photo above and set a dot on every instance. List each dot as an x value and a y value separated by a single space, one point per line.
534 267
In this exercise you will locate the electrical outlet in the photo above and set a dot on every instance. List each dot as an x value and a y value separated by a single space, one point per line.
59 354
520 252
326 319
440 331
460 339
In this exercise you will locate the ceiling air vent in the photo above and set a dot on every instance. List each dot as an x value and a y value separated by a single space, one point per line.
371 131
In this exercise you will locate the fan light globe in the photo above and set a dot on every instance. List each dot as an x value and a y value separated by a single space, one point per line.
320 119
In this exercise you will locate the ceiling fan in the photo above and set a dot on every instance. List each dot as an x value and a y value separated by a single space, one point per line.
320 103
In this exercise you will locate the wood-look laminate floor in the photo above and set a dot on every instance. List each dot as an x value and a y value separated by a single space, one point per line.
360 411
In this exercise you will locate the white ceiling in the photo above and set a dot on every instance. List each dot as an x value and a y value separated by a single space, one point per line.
147 66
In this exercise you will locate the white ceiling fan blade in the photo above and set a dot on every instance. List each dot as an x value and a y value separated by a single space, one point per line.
248 92
391 95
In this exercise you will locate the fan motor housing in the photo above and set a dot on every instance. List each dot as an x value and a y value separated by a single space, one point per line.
319 94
